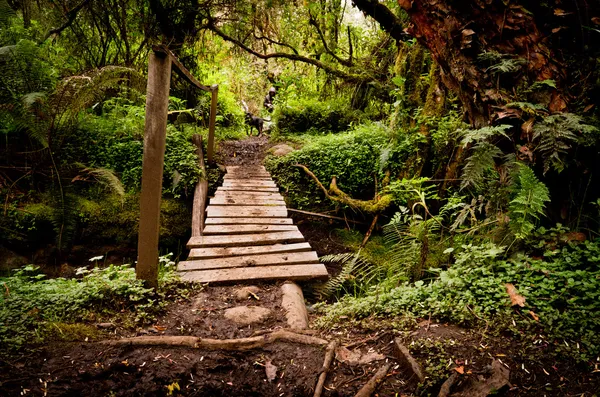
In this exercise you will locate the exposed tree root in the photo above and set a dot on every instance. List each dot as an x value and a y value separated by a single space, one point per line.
329 354
219 344
369 388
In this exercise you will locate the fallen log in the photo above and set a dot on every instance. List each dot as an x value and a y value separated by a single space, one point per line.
369 388
329 354
219 344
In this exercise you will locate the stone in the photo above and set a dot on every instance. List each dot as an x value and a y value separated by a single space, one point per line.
246 315
281 150
105 325
244 293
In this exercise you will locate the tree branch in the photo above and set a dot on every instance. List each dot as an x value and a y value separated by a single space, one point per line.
350 77
71 15
388 21
345 62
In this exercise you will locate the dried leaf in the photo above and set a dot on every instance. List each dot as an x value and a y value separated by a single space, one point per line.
561 13
460 370
535 316
356 357
596 20
515 297
588 108
270 370
160 328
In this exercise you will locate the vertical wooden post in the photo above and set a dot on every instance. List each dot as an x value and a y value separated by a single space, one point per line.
155 132
211 125
201 191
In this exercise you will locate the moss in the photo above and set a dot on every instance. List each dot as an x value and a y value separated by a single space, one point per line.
69 332
375 251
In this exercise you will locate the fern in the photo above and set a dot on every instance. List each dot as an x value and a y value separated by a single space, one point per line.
482 159
354 267
555 135
528 203
482 134
501 63
528 107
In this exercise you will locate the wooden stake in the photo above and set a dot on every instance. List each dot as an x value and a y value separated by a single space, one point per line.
157 102
211 125
200 194
369 388
329 354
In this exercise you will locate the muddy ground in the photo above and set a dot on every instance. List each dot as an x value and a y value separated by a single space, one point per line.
92 368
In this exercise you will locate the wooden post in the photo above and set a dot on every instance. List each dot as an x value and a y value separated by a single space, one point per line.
211 125
157 102
201 192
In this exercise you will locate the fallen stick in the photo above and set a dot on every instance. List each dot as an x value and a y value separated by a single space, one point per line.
369 388
219 344
324 216
447 386
329 354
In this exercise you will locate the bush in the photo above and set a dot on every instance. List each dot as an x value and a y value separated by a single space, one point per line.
309 115
32 303
562 291
353 157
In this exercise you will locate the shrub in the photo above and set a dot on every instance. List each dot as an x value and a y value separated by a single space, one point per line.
562 290
302 115
353 157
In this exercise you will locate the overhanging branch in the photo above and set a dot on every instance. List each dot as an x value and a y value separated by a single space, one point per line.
350 77
71 15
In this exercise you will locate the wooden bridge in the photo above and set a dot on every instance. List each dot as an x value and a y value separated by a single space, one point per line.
247 235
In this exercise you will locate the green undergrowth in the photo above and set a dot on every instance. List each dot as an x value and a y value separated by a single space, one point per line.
562 292
376 251
353 157
317 117
34 308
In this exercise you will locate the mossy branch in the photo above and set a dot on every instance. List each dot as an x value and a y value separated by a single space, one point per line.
334 193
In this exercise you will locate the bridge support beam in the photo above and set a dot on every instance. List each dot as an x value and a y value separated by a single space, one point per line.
155 132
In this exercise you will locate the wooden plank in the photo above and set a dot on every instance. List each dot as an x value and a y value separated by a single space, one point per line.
245 221
155 133
248 189
241 211
243 240
233 168
209 253
245 201
291 272
179 68
267 195
249 182
260 177
246 229
289 258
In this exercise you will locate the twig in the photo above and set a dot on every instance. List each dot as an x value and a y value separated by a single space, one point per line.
369 388
324 216
371 228
329 354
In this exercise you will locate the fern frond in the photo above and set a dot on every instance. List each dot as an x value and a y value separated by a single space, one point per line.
528 203
556 134
483 159
109 179
482 134
353 267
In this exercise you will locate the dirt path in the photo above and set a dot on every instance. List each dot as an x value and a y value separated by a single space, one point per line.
249 151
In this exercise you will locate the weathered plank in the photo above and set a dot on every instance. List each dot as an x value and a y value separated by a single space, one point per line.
249 182
222 211
209 253
241 240
271 195
289 258
249 189
246 229
291 272
257 201
245 168
244 177
245 221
